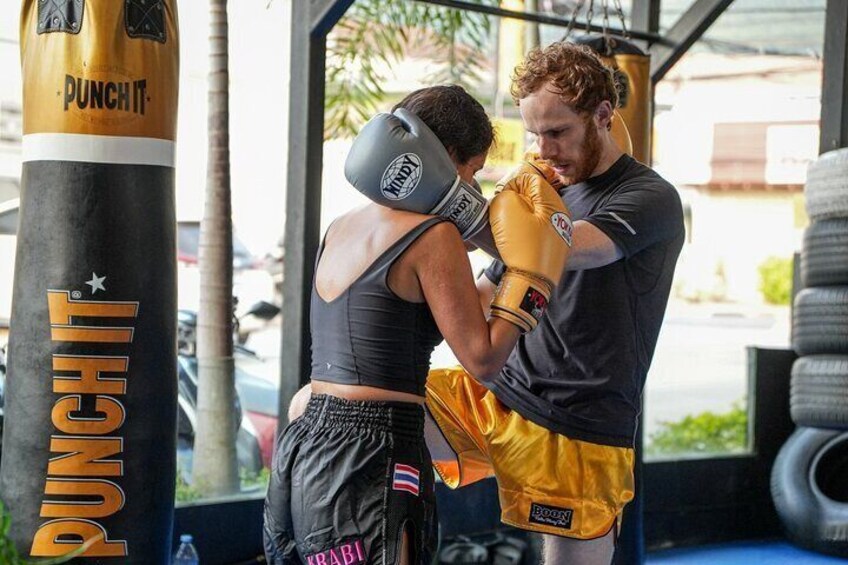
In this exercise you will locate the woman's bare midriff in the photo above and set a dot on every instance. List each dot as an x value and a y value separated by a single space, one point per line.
358 392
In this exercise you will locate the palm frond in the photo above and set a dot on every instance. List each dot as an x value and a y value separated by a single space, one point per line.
375 34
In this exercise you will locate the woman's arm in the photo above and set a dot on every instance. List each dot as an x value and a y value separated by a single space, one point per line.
485 293
447 283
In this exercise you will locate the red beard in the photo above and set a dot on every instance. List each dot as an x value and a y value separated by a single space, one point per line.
590 155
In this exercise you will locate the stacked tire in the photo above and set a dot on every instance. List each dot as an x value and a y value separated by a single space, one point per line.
809 481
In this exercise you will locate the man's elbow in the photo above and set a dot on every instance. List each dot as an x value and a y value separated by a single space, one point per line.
483 370
593 259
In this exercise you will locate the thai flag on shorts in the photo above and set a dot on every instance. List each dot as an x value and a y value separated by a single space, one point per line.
406 479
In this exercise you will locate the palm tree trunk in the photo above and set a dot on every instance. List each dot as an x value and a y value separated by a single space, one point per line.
215 469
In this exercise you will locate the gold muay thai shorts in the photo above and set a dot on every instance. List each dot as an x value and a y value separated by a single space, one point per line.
547 482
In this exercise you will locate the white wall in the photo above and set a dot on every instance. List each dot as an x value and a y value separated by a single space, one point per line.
736 231
259 102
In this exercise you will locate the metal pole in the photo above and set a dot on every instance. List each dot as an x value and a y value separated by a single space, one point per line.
538 18
834 108
310 24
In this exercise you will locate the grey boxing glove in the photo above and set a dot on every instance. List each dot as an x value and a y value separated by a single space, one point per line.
398 162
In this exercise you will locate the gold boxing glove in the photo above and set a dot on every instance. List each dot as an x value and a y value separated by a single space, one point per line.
532 231
534 165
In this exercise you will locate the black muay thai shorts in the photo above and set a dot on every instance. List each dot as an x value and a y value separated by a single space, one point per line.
347 479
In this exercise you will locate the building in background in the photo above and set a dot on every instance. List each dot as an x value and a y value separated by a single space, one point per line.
735 133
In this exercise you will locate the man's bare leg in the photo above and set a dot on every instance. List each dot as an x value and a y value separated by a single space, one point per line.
405 558
560 551
440 449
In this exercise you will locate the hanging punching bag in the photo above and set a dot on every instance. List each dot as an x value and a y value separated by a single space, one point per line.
90 408
632 69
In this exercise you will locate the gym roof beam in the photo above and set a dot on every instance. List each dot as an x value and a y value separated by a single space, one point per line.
645 18
683 34
325 13
538 18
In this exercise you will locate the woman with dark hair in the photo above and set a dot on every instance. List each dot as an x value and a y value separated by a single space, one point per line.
352 480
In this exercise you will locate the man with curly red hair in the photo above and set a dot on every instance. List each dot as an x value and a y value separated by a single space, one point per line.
557 425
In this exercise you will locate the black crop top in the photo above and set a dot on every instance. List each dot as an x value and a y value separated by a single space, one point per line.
368 335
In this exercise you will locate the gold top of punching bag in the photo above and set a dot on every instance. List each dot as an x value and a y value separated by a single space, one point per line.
631 66
100 67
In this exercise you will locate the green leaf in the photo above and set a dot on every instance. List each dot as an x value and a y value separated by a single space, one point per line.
68 556
376 34
707 432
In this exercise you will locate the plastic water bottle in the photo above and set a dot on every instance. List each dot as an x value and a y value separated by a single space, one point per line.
186 554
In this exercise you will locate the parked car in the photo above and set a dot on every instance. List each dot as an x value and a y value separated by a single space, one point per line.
252 283
188 245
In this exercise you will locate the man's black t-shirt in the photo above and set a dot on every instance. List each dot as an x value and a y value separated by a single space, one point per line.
581 371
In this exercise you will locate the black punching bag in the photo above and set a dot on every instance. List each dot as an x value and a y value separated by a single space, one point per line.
89 438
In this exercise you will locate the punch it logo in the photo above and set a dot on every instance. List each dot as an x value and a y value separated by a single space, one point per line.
401 177
89 94
563 225
105 95
551 515
86 468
